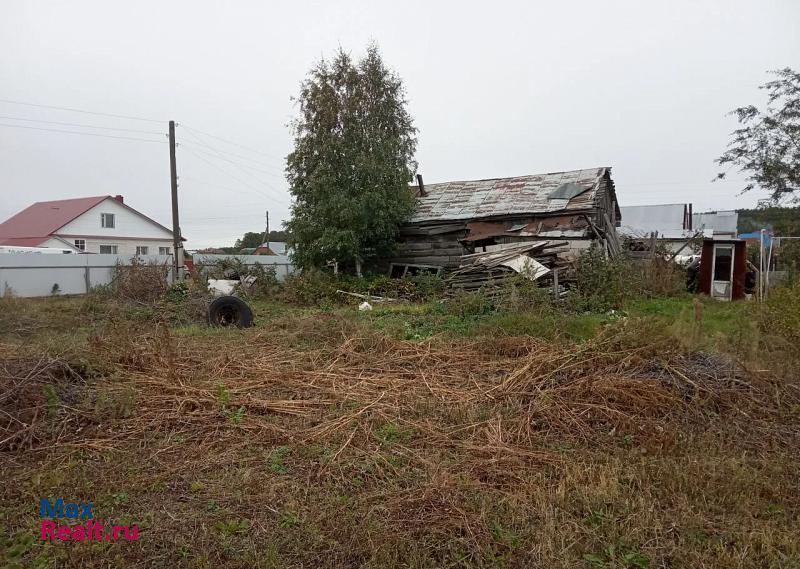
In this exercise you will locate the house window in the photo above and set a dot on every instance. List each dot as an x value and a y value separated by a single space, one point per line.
141 249
163 251
108 249
80 244
107 220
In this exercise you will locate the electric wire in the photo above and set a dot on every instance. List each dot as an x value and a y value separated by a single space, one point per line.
82 133
197 141
70 109
260 152
242 168
235 163
83 125
246 184
243 171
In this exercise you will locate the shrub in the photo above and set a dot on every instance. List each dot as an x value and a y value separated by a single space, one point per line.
466 304
520 293
600 281
603 284
140 281
311 288
781 314
428 286
266 280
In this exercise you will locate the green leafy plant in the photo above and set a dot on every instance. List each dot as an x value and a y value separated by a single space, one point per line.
391 433
235 416
277 460
232 527
178 292
223 396
289 520
52 398
618 556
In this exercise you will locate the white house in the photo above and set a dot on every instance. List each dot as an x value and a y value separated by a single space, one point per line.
101 224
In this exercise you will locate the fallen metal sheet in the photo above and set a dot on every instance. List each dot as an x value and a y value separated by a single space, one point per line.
526 266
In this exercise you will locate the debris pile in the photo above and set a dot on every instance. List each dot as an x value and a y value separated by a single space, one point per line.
489 269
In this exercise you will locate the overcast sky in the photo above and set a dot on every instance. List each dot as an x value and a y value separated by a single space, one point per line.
496 89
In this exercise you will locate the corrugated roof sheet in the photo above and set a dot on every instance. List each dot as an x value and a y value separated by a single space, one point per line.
724 222
641 220
505 196
43 218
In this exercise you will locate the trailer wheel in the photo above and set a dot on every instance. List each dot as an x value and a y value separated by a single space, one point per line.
230 311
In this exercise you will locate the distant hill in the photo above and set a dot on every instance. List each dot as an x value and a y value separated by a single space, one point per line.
782 220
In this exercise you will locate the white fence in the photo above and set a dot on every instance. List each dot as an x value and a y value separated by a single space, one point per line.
282 264
34 274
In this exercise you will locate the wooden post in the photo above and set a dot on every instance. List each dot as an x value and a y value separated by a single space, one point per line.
177 245
555 283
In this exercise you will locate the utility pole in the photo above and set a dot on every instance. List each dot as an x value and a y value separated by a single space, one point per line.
265 240
177 243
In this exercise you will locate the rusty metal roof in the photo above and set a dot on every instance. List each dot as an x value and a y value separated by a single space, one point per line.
505 196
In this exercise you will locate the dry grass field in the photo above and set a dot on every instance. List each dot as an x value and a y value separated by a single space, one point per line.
325 438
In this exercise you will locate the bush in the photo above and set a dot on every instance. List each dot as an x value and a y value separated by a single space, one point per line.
467 304
520 293
600 281
311 288
140 282
781 314
266 280
603 284
318 288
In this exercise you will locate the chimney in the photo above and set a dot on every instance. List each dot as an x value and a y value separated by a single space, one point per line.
421 185
119 198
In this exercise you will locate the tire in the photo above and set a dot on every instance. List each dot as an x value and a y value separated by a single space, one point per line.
230 311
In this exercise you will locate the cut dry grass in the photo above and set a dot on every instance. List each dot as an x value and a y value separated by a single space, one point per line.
321 443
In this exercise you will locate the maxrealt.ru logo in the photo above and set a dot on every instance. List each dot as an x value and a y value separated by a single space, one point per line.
87 531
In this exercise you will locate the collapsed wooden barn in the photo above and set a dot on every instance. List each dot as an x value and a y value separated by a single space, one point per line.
454 219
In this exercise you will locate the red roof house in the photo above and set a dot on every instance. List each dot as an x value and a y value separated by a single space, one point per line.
99 224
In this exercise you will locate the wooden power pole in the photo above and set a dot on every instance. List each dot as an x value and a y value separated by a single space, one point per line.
265 239
177 243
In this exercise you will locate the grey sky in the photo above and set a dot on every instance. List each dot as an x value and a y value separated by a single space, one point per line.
496 89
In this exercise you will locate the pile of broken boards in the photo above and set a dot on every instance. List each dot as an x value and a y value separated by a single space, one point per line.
489 270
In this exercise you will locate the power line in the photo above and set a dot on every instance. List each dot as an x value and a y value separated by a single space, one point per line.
244 215
83 133
129 117
229 141
246 184
234 162
83 125
196 141
241 168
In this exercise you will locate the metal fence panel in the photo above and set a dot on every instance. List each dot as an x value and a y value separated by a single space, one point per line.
34 274
282 263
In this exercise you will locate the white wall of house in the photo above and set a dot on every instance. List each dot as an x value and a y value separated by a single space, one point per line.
56 243
126 246
129 232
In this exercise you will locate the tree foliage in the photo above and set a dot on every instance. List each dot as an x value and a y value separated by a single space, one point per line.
767 146
353 159
253 239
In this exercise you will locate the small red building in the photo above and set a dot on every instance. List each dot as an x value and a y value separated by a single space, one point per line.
723 267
